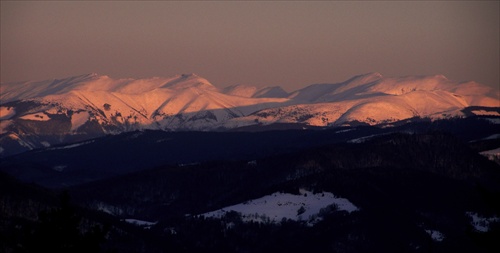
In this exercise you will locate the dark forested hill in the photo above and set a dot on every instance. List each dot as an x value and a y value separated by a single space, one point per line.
403 184
421 186
114 155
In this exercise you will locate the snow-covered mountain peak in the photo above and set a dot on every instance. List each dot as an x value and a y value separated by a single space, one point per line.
403 85
94 82
364 78
192 80
34 89
93 74
440 76
78 79
189 75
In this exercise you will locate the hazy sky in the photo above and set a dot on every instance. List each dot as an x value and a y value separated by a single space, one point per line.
292 44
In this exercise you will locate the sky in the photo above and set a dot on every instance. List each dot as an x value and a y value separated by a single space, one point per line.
260 43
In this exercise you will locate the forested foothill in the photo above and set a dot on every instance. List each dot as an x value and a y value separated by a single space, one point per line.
421 186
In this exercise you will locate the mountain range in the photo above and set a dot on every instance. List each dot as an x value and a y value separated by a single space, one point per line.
38 114
406 164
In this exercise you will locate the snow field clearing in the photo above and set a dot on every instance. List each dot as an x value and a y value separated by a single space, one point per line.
278 206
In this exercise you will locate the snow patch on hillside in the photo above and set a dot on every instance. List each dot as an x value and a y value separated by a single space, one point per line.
491 152
486 113
107 208
494 120
435 235
481 223
365 138
72 145
278 206
78 119
36 116
6 112
492 155
492 137
141 223
21 142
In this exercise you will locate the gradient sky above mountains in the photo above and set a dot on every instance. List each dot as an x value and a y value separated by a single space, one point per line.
291 44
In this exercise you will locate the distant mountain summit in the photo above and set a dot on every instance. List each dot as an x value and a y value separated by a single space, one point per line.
43 113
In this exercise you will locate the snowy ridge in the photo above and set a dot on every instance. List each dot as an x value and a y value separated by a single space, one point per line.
98 104
181 102
372 99
94 82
